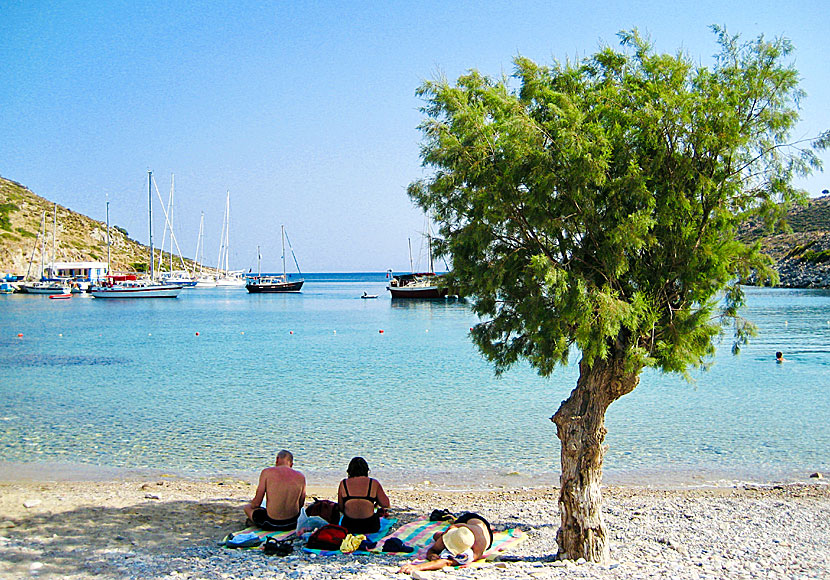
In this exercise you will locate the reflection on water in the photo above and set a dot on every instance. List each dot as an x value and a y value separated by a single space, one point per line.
57 360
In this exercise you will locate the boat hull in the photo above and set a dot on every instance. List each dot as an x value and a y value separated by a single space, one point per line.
154 291
424 292
274 287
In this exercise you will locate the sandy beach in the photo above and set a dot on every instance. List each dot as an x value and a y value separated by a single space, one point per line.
167 527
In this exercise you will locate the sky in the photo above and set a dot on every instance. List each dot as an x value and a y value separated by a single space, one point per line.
304 111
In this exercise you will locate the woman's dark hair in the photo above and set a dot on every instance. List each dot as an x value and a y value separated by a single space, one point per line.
357 467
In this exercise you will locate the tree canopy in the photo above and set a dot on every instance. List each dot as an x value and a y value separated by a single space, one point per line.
597 203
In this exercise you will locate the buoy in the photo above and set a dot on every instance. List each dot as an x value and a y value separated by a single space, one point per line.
427 330
197 334
19 335
380 331
60 334
335 332
290 332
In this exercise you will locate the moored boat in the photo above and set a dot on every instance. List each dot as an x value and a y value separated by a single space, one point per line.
135 289
263 284
260 284
420 285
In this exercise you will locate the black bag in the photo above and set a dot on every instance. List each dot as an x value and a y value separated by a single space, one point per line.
329 537
326 509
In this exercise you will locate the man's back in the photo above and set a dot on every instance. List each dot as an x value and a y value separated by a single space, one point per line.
284 491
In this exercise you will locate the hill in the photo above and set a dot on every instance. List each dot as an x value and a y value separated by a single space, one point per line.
78 237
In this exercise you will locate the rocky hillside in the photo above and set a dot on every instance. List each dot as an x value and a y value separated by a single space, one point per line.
78 238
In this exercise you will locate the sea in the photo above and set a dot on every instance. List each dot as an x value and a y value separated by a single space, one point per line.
215 382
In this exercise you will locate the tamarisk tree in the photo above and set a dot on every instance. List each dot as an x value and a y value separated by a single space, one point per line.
593 208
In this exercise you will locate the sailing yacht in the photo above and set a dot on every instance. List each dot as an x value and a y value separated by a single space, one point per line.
227 278
128 286
272 284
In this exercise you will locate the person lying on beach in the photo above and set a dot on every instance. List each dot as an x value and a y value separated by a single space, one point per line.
283 489
357 497
465 541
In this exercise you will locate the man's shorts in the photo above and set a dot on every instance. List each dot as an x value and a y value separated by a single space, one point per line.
261 519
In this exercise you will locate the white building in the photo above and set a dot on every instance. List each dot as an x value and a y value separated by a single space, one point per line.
86 271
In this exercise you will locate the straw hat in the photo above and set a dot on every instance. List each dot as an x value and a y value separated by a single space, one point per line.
458 540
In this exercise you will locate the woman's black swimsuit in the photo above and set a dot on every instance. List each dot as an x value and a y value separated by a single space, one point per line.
368 525
467 516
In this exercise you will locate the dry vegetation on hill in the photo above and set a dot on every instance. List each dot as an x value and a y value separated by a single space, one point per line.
78 238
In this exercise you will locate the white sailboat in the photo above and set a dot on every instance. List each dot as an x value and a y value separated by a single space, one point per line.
137 288
227 278
46 285
202 280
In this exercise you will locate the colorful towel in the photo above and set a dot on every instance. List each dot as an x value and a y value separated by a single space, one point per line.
418 534
263 534
385 525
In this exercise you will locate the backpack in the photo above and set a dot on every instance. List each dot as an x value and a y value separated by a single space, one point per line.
328 537
326 509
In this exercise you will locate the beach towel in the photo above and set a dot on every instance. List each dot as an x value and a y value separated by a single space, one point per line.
418 534
385 525
263 535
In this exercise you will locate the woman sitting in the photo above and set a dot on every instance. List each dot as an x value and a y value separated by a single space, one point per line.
357 497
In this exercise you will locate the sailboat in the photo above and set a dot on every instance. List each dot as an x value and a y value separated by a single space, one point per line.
423 285
279 283
203 280
173 277
46 285
227 277
122 286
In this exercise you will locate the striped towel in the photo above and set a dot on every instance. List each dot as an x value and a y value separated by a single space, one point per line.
418 534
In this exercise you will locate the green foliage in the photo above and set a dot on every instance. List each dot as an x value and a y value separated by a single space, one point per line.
5 210
140 266
122 230
26 233
816 257
597 204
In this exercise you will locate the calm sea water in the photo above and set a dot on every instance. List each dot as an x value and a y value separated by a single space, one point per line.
216 381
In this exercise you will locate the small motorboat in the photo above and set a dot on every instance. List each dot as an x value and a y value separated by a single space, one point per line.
368 296
60 296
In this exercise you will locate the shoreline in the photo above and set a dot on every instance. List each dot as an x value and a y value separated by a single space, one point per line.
427 480
168 527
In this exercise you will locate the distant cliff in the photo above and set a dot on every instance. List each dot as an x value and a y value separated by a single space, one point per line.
78 238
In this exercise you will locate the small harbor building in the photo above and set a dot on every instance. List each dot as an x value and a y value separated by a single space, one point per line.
81 271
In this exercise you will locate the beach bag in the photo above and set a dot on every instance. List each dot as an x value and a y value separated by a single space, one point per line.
306 523
326 509
328 537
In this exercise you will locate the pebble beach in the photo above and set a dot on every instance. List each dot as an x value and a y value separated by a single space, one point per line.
169 527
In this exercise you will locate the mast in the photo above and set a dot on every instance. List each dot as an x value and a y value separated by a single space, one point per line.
200 257
108 235
411 267
43 244
258 258
227 230
34 246
54 239
150 205
282 230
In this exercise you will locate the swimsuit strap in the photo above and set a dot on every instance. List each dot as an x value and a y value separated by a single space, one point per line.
367 497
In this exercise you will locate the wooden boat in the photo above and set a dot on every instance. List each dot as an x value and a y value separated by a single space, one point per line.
260 284
263 284
422 285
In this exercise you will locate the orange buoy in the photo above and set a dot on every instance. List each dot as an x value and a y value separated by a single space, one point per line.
380 331
290 332
197 334
19 335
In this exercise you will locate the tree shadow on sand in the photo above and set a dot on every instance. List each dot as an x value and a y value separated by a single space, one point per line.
102 540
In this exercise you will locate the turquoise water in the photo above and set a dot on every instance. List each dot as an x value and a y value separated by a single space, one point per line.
130 384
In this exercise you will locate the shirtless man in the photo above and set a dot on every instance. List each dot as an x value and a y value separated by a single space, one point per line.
284 491
465 541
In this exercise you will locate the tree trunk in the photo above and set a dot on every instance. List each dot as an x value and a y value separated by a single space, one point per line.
580 426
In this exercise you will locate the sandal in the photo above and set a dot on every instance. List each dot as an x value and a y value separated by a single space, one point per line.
278 547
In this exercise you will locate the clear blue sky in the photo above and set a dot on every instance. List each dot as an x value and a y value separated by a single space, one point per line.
305 111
